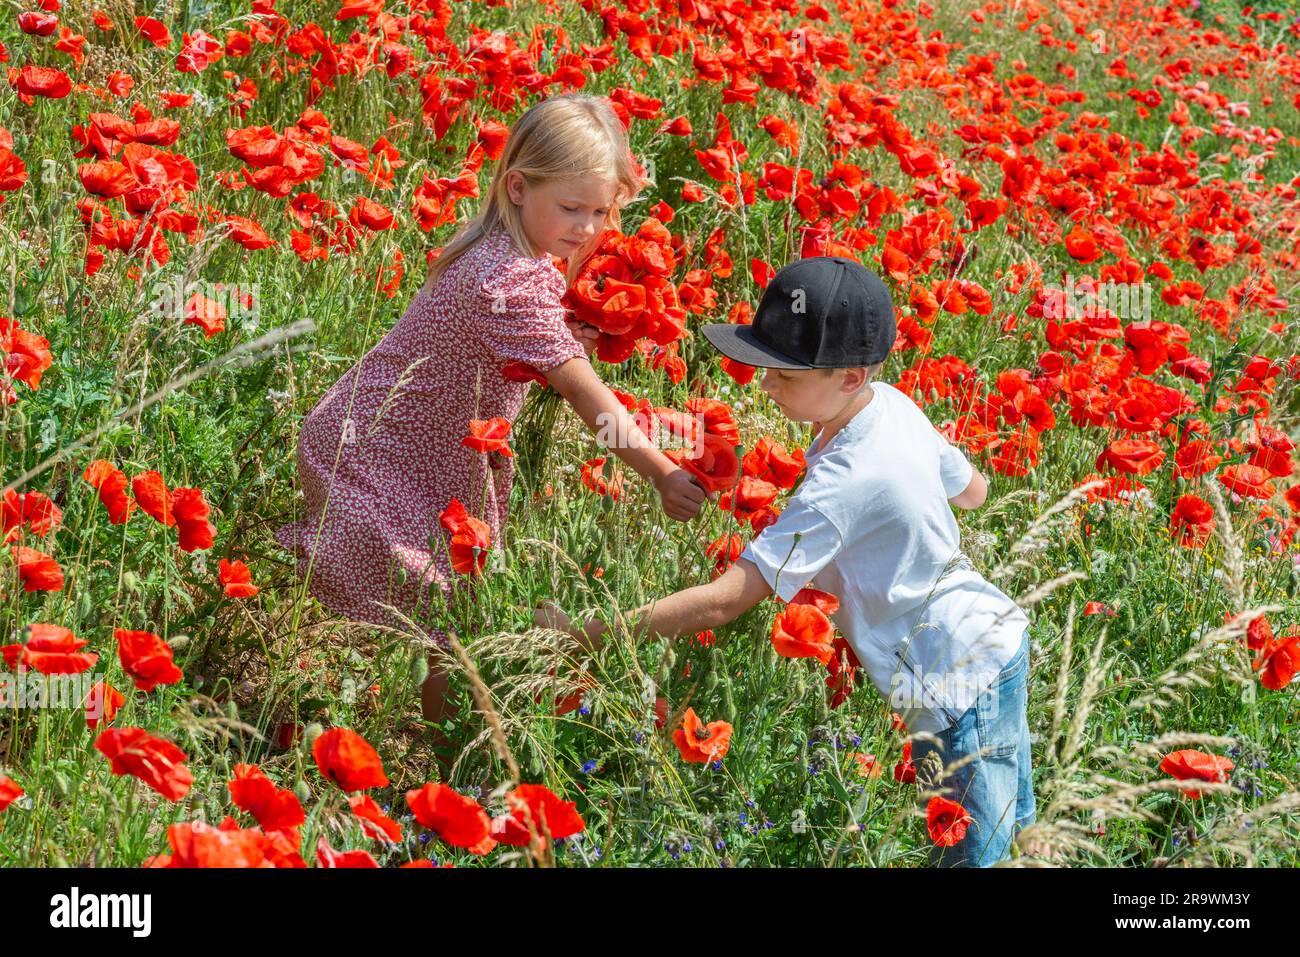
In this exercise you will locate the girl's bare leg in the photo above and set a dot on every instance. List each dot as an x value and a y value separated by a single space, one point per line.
437 708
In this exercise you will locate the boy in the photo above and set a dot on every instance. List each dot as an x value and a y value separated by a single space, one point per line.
871 524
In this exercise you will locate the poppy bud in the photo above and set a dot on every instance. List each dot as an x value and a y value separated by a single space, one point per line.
419 667
301 790
400 576
178 642
84 605
131 581
728 702
61 784
312 732
607 503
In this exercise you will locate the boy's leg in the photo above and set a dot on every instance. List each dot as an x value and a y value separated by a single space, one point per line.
985 776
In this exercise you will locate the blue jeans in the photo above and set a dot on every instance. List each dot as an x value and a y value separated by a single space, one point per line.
996 786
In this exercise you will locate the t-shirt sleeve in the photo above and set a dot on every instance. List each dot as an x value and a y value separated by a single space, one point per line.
790 552
522 318
954 468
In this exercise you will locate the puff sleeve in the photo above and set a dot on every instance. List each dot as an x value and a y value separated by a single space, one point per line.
522 318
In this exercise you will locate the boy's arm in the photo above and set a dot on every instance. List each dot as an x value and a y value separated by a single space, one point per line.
974 494
690 610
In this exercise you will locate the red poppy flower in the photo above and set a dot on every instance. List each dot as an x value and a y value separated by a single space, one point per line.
366 212
1280 661
348 760
146 659
326 856
153 31
469 538
273 808
724 551
770 461
1131 456
1259 634
713 462
1191 765
191 514
946 821
905 770
36 570
1099 608
868 766
701 743
823 601
593 477
110 482
551 817
156 762
803 631
236 579
488 436
32 510
42 81
457 819
1195 458
198 844
9 791
516 371
1248 481
1192 521
51 650
374 822
843 668
102 703
152 495
1017 454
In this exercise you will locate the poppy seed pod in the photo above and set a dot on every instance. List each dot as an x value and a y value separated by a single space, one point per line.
419 667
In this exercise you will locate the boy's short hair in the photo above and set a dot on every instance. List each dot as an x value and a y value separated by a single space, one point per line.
872 370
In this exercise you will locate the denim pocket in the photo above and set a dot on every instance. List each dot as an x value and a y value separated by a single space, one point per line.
1000 711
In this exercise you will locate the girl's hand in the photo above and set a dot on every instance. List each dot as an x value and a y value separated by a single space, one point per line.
681 495
586 334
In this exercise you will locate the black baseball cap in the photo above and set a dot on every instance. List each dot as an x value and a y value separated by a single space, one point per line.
821 312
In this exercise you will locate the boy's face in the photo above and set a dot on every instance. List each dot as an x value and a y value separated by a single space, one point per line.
812 395
561 217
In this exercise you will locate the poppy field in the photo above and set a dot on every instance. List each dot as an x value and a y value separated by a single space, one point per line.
1087 214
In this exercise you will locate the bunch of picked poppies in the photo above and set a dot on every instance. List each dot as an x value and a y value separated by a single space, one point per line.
625 290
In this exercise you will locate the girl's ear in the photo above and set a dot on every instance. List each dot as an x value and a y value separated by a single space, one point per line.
514 186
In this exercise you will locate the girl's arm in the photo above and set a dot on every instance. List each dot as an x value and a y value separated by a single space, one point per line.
686 612
600 409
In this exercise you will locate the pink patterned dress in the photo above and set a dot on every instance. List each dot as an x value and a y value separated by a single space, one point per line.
378 464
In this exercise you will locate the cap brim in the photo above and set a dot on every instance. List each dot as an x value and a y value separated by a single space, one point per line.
738 342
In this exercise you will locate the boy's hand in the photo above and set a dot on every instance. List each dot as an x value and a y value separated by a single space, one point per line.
681 495
586 334
548 614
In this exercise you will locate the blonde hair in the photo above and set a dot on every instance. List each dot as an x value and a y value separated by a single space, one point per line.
564 137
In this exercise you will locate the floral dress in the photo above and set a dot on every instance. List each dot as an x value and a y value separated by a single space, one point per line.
380 456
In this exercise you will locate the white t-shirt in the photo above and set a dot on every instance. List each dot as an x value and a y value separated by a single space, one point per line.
871 524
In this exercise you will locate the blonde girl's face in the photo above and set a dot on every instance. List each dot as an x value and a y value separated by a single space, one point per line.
562 216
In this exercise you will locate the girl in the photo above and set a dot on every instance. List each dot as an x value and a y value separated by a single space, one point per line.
379 459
